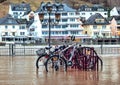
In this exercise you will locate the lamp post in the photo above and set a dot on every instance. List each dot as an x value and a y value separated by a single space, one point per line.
49 8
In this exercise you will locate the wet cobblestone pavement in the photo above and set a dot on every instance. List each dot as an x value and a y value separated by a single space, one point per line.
21 70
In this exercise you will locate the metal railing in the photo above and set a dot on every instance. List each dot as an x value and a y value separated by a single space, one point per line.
30 50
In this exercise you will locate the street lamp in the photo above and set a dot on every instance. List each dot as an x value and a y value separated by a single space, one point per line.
50 9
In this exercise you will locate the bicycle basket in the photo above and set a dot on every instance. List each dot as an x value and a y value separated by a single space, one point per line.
40 51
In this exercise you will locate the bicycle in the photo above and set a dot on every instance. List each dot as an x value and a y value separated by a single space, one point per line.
74 58
43 54
60 62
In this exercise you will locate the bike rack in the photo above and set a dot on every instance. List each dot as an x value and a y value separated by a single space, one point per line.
88 59
90 56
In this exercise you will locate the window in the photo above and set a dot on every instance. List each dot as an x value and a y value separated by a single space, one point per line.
83 13
22 27
71 13
64 14
58 26
22 33
13 33
64 32
44 32
90 13
103 26
6 33
10 21
74 25
15 13
52 32
96 34
60 8
74 32
6 26
13 26
100 9
52 26
64 26
99 20
94 26
87 9
72 19
44 26
64 20
103 34
105 13
85 32
32 29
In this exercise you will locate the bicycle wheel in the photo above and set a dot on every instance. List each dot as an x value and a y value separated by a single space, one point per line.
56 63
41 60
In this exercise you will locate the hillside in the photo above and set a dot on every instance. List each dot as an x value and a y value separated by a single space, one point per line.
4 6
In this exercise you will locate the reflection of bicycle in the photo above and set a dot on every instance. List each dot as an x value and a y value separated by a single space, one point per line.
61 61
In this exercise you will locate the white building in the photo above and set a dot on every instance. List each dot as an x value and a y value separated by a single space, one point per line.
115 11
12 30
18 10
86 11
69 24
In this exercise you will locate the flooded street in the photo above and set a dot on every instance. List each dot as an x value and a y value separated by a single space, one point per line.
21 70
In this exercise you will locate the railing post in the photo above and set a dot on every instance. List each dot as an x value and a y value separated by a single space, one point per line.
11 49
102 48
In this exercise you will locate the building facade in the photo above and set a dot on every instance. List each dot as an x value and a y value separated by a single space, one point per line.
97 26
86 11
69 25
12 30
18 10
115 11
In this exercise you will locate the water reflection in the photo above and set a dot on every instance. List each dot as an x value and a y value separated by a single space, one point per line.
71 77
22 71
111 70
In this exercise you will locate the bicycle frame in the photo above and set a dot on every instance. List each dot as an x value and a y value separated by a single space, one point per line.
72 53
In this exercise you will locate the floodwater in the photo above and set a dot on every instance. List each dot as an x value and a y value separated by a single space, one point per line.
21 70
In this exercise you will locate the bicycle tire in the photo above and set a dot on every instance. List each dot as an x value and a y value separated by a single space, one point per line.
39 60
50 64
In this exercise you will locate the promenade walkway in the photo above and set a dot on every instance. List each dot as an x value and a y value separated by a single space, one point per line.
21 70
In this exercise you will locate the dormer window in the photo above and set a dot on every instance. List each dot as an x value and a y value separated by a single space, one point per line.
100 9
9 21
99 21
60 7
6 26
87 9
25 9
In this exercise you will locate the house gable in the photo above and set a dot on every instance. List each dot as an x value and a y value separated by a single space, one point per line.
61 7
96 19
8 20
